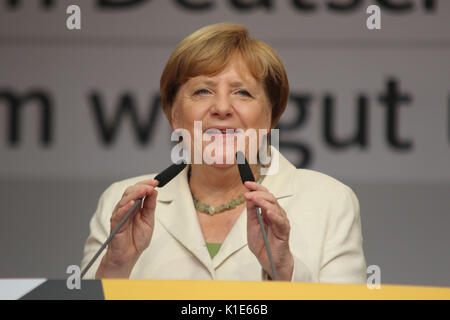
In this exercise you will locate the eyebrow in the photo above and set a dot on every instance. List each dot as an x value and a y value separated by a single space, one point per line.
209 83
233 84
238 84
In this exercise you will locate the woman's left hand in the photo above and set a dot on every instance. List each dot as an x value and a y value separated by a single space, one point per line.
277 229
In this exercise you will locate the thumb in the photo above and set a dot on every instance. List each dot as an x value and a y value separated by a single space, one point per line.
149 205
252 218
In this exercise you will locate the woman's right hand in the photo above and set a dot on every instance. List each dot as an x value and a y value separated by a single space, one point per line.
135 235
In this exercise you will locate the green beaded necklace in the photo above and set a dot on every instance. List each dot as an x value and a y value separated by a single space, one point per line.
206 208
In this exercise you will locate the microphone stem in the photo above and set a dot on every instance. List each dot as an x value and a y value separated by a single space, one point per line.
266 243
111 236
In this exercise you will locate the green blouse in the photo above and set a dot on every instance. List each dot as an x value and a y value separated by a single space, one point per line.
213 248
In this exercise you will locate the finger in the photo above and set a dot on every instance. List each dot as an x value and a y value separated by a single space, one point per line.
252 219
253 186
271 213
253 225
250 206
264 195
278 222
149 201
120 213
149 207
126 195
150 182
135 192
268 197
260 199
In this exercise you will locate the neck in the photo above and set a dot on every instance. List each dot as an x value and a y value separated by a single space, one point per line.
216 185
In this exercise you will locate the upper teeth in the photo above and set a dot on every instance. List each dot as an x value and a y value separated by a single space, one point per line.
221 130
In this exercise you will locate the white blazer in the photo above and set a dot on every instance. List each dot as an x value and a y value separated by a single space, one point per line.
325 238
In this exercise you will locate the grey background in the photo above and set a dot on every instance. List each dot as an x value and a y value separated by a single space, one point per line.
48 195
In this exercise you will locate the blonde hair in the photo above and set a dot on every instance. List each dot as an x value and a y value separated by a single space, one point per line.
208 50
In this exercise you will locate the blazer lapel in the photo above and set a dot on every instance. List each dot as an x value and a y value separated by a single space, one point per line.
235 240
178 216
280 185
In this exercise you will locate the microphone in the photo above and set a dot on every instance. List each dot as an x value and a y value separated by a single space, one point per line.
169 173
247 175
163 178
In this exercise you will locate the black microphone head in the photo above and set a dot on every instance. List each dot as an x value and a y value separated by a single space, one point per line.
169 173
244 168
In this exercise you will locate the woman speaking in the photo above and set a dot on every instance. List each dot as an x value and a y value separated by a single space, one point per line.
203 223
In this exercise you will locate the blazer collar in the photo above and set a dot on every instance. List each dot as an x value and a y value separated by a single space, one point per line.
279 181
178 216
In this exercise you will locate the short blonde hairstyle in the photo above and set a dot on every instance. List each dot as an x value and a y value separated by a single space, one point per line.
208 50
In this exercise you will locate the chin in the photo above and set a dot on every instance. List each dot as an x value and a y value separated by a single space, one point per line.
224 163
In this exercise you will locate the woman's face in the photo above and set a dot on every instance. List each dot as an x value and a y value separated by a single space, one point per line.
232 99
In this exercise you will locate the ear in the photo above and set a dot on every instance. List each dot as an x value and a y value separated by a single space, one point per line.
175 117
269 118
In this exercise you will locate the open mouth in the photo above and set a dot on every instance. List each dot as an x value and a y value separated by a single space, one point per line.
223 131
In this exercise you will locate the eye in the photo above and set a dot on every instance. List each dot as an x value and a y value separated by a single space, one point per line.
201 92
244 93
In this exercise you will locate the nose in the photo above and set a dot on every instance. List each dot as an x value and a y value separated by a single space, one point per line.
222 107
